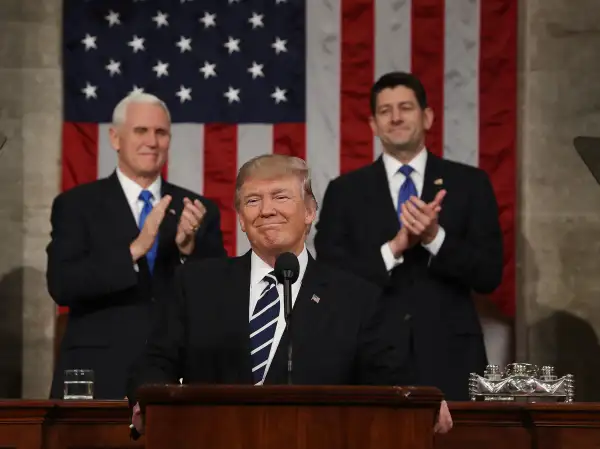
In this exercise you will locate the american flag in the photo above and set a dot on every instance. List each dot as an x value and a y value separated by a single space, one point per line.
248 77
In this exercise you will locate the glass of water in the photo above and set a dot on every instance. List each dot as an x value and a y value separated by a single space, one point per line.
79 384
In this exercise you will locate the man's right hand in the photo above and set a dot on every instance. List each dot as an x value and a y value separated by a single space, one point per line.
405 240
137 420
142 244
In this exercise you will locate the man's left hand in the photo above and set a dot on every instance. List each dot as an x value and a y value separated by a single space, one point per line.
422 219
191 218
444 422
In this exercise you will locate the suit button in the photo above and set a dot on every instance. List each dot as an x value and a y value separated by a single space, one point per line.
407 317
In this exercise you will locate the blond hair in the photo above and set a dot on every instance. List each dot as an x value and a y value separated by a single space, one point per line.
269 166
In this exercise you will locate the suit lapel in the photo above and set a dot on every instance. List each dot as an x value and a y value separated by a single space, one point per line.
432 175
307 315
119 211
237 295
380 206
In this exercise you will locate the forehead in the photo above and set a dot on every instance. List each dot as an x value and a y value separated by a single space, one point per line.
256 185
398 94
146 114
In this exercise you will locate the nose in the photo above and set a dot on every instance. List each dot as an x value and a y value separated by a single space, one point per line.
267 207
151 139
396 115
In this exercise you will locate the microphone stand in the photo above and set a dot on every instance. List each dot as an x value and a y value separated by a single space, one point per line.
287 306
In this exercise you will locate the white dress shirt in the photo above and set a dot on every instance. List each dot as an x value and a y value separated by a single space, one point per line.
395 181
132 192
258 270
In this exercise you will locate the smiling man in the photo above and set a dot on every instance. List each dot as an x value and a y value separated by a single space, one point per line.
115 245
228 327
424 229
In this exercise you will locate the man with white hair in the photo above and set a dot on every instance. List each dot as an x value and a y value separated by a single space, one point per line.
115 244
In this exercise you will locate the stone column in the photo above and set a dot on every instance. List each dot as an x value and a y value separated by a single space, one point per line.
30 115
559 213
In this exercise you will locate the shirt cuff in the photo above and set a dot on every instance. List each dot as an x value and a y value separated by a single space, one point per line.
434 246
388 258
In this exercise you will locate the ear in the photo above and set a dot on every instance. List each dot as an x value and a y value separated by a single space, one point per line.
113 135
428 118
373 125
311 212
242 226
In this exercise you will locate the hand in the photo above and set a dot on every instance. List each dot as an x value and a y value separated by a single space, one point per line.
444 422
142 244
190 221
422 219
402 241
137 419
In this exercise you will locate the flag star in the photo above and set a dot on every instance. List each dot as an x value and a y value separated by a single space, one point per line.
256 20
232 45
184 94
161 69
89 91
209 20
208 70
279 45
114 67
256 70
137 43
137 90
184 44
113 18
161 19
89 42
279 95
232 95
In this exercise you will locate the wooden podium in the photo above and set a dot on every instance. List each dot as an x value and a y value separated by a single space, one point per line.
288 417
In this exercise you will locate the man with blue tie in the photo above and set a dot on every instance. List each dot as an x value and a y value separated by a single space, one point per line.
424 229
114 247
227 325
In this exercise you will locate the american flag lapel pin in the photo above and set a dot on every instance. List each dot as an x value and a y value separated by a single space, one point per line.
438 182
315 298
172 212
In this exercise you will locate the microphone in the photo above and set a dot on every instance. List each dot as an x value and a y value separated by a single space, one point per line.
287 270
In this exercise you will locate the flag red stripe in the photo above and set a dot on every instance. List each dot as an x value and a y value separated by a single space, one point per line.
498 129
79 154
357 69
427 61
220 170
290 139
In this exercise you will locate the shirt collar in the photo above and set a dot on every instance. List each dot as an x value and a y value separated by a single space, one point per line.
259 268
392 165
132 189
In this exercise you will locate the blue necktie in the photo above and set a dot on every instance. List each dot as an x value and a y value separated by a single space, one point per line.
146 197
262 327
407 189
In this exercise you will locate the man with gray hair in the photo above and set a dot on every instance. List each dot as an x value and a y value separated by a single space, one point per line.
115 244
227 325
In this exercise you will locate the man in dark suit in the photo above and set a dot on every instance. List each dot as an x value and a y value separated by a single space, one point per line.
228 325
115 245
423 228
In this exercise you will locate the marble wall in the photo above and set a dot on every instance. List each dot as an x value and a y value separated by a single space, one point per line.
30 115
559 211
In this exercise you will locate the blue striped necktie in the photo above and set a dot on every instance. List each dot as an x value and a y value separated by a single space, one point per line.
262 327
146 197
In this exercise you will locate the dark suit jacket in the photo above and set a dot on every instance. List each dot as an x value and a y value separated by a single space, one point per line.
433 293
90 270
205 336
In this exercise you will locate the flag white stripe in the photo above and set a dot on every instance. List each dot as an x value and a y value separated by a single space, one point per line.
323 58
253 140
107 156
461 81
186 156
392 41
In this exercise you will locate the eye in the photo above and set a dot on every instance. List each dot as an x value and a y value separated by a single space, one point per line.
281 197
